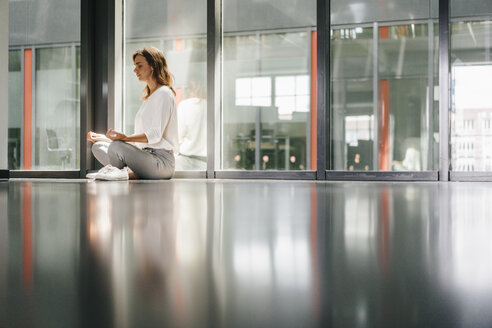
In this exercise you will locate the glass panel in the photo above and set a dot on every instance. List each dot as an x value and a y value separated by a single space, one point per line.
471 113
352 113
182 39
44 75
404 123
267 86
15 110
395 109
460 8
368 11
57 106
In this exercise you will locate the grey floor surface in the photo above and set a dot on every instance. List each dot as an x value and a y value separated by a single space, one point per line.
232 253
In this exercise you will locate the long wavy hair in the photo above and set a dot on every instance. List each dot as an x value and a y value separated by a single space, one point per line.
155 58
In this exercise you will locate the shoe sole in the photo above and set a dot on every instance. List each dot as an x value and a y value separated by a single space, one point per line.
112 179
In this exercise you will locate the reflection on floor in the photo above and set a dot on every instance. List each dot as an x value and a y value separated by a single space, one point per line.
197 253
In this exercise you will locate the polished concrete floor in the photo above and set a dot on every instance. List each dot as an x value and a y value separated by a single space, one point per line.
197 253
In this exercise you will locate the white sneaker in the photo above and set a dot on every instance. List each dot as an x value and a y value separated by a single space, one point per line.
94 174
91 175
112 173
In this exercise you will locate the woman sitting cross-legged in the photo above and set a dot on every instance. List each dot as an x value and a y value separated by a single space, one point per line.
148 153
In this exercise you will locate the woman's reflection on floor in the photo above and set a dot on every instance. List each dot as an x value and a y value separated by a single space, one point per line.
153 246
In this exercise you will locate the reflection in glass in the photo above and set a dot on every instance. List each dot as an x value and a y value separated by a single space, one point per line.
269 84
267 100
15 110
406 127
44 78
383 120
471 114
57 108
352 117
182 39
192 128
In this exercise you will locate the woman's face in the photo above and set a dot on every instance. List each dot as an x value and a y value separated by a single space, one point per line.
142 69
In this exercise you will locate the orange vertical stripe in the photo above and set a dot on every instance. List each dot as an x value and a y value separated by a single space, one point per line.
314 101
27 108
384 236
179 95
384 32
179 44
27 251
384 114
384 122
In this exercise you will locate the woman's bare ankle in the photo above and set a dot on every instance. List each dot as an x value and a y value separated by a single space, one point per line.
131 175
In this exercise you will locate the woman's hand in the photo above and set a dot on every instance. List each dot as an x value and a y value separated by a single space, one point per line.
94 137
114 135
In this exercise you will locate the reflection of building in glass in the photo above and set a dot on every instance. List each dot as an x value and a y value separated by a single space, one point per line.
386 71
44 82
53 139
279 105
267 100
382 104
471 140
267 75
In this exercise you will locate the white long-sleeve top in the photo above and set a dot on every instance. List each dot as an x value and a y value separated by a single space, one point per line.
157 119
192 124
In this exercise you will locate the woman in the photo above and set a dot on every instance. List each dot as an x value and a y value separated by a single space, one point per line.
192 127
148 153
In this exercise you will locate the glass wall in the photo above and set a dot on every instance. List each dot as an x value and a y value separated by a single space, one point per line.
384 100
179 31
267 85
471 99
44 83
383 114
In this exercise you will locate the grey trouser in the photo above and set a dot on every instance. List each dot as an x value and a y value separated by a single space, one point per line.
147 163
